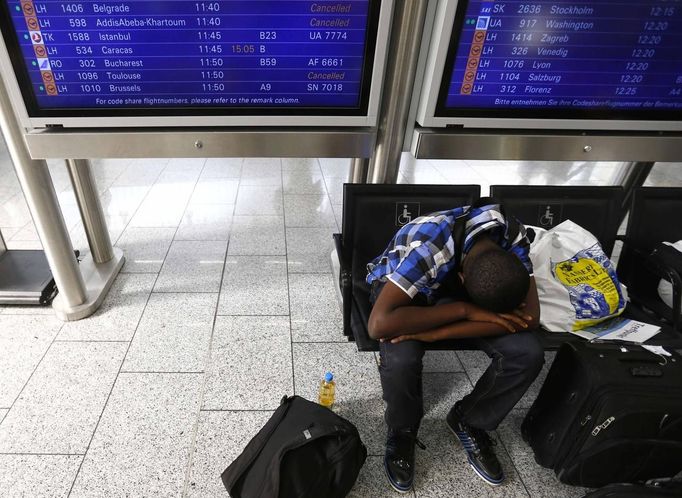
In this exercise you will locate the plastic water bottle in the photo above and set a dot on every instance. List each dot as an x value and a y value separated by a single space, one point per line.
327 390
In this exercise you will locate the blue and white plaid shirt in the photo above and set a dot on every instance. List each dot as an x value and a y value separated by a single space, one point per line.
422 253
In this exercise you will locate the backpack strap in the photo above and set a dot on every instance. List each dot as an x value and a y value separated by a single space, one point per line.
513 224
458 236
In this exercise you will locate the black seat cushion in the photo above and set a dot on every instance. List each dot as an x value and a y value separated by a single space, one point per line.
372 215
597 209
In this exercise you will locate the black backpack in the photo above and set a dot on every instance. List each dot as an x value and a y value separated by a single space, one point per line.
304 450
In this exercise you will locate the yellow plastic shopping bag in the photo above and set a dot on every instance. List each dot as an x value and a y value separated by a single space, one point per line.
577 283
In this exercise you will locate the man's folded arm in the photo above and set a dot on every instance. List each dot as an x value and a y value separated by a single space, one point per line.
393 314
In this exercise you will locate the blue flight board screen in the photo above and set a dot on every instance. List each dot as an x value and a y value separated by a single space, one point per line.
598 59
80 58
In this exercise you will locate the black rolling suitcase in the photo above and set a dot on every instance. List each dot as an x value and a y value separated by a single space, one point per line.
604 415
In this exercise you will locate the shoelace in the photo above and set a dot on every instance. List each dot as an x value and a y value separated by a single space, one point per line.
401 444
476 440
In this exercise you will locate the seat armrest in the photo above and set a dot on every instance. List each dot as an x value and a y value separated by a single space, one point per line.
661 268
345 284
338 245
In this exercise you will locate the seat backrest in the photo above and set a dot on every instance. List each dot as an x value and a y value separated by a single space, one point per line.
596 209
372 214
654 218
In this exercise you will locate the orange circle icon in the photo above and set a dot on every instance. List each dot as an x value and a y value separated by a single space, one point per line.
473 63
479 36
47 76
28 9
51 89
40 50
466 88
475 50
469 76
32 23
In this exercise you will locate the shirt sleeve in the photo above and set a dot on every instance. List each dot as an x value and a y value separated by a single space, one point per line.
417 270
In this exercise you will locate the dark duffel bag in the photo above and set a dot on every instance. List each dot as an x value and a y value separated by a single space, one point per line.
606 415
304 450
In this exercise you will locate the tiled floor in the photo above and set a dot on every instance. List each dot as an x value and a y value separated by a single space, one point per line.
226 302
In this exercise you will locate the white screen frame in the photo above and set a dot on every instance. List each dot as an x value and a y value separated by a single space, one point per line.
440 41
369 120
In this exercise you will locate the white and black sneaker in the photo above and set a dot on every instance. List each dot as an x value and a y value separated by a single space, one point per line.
479 447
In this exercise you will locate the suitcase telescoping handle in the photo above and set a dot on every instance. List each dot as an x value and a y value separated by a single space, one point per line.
626 351
642 362
642 365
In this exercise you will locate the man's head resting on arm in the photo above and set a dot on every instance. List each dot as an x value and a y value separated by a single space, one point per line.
495 279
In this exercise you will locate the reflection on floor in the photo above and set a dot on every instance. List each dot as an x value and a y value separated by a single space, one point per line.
226 302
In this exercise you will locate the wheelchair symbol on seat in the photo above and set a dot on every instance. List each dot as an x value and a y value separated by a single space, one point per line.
405 212
547 219
550 215
405 217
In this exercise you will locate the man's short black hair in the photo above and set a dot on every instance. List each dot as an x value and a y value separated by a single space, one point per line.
496 280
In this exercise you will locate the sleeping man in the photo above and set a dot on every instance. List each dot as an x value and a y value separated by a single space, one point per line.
427 286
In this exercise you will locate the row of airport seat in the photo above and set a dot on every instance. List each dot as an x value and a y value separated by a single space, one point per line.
373 213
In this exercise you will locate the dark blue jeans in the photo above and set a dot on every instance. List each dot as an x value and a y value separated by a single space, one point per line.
516 360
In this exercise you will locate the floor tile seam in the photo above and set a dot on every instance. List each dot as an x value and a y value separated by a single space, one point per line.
177 229
47 350
465 369
501 442
123 170
18 230
144 227
235 410
30 453
98 341
320 194
291 328
211 203
201 240
255 255
6 312
113 385
207 361
471 169
311 226
326 183
144 198
328 342
162 372
184 292
123 272
254 316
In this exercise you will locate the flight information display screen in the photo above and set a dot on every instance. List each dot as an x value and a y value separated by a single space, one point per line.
76 58
561 59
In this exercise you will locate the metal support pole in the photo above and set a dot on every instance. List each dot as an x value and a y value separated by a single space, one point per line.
406 36
359 166
35 180
85 189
